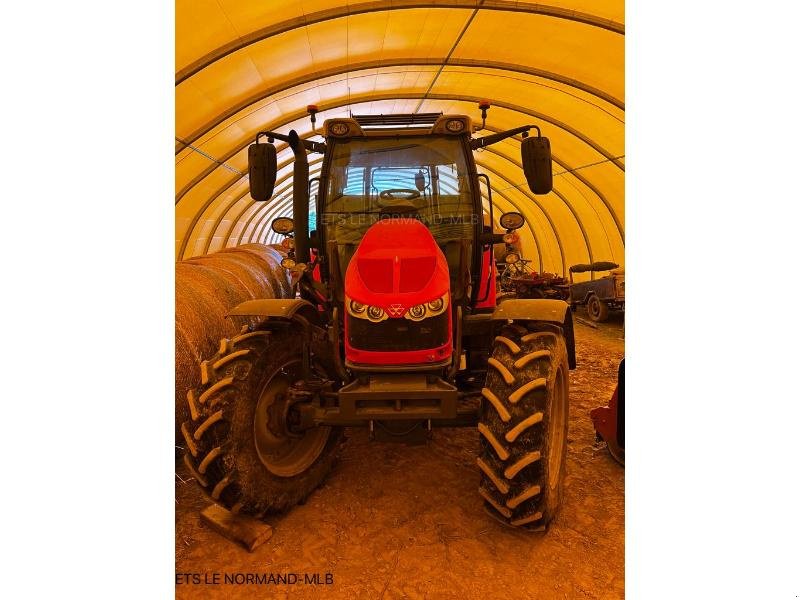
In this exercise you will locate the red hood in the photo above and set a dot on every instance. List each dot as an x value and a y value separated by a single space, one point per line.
397 262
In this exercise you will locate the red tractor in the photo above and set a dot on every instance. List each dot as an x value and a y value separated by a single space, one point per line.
394 326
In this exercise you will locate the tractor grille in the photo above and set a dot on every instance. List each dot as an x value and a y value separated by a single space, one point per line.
397 335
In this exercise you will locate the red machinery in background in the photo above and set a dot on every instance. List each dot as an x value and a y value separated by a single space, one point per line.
609 421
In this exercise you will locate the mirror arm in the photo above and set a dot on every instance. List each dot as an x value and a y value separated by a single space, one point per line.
488 140
299 197
309 145
491 238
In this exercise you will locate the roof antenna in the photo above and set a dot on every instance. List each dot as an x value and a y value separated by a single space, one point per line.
484 105
312 111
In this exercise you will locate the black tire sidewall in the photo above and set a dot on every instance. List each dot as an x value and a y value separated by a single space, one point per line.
540 436
256 488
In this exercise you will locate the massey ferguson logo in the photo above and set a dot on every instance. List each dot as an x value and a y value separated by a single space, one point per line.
395 310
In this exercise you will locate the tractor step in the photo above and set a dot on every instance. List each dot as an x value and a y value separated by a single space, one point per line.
244 530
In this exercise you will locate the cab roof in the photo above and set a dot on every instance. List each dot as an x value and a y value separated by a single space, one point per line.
399 124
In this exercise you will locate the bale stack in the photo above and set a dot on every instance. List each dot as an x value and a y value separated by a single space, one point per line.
206 288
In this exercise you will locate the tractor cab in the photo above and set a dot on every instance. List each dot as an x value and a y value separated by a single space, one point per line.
422 172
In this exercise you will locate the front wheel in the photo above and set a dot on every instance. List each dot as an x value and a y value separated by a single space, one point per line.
240 446
523 425
597 309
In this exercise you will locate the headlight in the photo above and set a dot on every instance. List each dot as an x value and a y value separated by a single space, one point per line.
357 307
364 311
375 313
436 305
429 309
340 128
511 258
416 313
288 263
454 125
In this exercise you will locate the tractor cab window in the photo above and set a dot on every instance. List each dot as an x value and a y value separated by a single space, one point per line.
421 177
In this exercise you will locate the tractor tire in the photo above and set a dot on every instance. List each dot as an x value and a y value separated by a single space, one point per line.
238 446
597 309
523 426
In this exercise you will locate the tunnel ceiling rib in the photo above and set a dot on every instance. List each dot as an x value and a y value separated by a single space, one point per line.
389 63
244 66
300 115
309 52
243 41
243 123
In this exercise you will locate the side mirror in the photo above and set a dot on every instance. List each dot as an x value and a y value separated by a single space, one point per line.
511 221
262 160
537 164
283 225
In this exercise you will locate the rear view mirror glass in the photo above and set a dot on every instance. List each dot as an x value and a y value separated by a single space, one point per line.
283 225
537 164
262 160
512 221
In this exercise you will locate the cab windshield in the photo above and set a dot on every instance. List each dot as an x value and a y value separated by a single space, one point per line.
420 177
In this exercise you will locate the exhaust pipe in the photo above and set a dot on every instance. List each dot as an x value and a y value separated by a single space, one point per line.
300 198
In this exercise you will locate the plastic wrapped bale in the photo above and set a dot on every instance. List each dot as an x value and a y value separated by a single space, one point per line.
206 289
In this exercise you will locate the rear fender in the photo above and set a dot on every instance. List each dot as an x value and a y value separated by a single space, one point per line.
556 312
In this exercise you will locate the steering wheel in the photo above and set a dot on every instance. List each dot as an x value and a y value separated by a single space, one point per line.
398 194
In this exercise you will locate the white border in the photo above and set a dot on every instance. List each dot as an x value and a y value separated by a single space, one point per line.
712 320
87 349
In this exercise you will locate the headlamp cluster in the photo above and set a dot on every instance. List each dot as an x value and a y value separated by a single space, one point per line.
455 125
364 311
416 313
429 309
339 129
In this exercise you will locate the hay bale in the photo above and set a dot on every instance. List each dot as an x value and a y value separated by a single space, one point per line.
271 259
242 275
206 289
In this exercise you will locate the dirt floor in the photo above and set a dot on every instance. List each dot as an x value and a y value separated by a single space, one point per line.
394 521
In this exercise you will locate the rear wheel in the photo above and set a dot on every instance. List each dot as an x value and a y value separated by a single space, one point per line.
240 446
596 309
523 425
